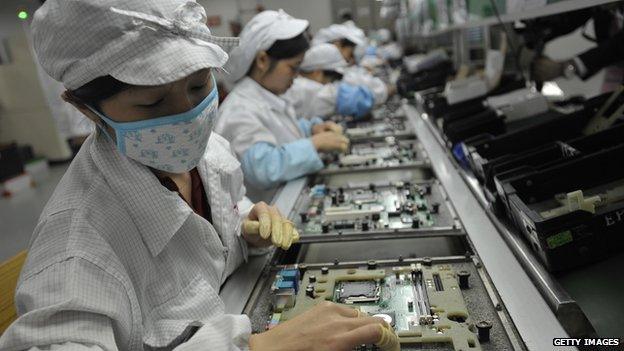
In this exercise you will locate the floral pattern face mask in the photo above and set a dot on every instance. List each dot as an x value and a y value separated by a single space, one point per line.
173 143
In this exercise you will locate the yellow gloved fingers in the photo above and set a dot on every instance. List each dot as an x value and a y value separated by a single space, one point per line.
251 227
389 340
287 234
276 229
336 128
295 235
344 145
265 225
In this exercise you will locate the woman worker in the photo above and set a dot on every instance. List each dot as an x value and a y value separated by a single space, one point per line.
346 39
145 226
319 91
273 144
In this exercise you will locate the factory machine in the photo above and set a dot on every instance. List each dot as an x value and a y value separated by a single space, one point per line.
403 238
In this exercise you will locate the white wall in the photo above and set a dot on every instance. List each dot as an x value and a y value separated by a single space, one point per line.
318 12
25 116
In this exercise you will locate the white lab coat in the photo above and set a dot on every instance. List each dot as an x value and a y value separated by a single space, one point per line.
301 96
251 114
118 262
357 75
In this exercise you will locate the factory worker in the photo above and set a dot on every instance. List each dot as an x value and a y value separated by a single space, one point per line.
318 91
273 144
132 249
346 39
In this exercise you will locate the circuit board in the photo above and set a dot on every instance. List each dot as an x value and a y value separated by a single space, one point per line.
374 208
379 130
423 303
390 153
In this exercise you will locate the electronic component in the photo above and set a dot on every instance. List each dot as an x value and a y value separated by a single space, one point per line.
519 104
422 303
352 292
465 89
285 288
373 208
373 131
390 153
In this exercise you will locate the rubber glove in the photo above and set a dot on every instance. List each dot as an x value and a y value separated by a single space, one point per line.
265 225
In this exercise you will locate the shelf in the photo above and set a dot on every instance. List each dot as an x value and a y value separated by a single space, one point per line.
547 10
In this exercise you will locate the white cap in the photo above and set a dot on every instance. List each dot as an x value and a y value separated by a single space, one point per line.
260 34
340 31
323 57
140 42
384 35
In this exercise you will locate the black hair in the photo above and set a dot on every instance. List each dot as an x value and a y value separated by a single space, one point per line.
346 42
346 16
289 48
285 49
332 75
99 89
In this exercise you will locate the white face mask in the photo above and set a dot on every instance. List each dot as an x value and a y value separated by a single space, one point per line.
173 143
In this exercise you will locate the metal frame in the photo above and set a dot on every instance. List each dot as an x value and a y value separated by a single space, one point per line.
237 289
535 321
439 231
503 313
561 6
566 309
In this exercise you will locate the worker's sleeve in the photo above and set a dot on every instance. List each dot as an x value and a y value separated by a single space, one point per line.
324 101
67 346
359 76
354 100
266 166
605 54
305 125
226 332
242 128
73 304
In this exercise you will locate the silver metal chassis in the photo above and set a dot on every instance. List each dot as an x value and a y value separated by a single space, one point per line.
565 308
528 306
530 312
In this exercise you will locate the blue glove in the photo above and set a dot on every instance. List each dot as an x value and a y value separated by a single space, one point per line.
371 51
354 100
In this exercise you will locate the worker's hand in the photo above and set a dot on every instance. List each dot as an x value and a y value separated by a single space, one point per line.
546 69
330 142
265 226
327 327
328 126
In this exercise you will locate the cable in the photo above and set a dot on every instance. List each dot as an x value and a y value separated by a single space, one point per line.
512 45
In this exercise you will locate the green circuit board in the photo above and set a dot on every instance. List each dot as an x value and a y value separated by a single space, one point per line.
424 304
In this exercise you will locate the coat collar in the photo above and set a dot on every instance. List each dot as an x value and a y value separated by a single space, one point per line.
157 212
275 102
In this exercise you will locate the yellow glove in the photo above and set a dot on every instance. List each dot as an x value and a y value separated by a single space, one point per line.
389 340
271 229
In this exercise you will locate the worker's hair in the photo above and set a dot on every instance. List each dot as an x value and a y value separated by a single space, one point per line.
99 89
285 49
289 48
346 42
346 16
332 75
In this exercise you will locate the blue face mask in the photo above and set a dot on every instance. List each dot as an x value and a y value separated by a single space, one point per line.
173 143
